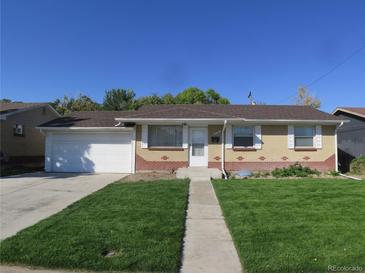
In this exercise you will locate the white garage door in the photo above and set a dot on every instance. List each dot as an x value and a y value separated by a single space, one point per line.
92 152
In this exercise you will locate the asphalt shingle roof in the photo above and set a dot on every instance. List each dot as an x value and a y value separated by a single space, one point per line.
272 112
13 106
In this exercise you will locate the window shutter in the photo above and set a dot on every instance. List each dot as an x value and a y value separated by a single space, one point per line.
185 140
229 136
257 137
144 138
290 137
318 137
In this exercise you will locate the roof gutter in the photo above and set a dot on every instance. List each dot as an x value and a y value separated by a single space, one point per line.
336 145
223 150
87 128
232 119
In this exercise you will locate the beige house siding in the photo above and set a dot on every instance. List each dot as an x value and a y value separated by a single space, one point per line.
32 144
274 152
148 159
275 147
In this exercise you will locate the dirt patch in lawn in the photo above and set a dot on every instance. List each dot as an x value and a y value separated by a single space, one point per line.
150 176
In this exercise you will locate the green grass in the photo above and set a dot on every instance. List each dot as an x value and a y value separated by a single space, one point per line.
301 225
143 223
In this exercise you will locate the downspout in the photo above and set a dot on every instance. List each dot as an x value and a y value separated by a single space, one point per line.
223 150
336 145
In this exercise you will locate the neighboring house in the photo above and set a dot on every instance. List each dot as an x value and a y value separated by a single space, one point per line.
351 136
167 137
21 142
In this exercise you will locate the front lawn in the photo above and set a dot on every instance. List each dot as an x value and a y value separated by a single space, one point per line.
125 227
304 225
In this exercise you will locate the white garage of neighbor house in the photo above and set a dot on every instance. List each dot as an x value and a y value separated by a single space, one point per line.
88 147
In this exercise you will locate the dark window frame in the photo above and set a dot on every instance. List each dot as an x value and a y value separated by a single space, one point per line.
249 137
15 133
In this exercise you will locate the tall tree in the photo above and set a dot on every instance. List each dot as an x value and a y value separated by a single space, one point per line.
213 96
168 98
305 98
153 99
5 100
191 95
223 101
119 99
68 104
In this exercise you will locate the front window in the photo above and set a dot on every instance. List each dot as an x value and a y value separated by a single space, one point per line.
165 136
19 130
304 136
243 136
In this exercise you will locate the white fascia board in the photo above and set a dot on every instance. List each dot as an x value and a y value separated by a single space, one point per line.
349 112
95 129
232 120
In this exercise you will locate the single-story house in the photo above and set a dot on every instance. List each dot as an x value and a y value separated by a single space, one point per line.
167 137
351 136
21 142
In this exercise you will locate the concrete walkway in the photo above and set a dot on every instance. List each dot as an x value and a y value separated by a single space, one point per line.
28 198
208 246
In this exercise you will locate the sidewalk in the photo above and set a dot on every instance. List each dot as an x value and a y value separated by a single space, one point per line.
208 246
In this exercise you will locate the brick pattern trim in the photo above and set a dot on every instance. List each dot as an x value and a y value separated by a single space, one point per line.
142 164
328 164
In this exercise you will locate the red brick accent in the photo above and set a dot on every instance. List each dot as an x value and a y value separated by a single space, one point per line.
328 164
142 164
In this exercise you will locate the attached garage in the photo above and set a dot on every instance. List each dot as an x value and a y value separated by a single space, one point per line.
88 151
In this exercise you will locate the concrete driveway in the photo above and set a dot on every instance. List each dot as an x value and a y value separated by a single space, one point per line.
28 198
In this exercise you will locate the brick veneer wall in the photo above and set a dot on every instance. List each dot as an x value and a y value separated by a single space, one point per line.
328 164
142 164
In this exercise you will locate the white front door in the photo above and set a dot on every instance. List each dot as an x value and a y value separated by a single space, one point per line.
198 149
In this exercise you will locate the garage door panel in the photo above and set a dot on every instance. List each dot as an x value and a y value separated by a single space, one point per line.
108 152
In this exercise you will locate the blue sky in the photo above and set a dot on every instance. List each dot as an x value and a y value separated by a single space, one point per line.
64 47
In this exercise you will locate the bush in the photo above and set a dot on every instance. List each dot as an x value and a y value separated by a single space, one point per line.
334 173
296 170
261 174
357 165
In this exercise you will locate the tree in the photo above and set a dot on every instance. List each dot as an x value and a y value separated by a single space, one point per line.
191 95
119 99
223 101
84 103
153 99
212 96
69 104
5 100
304 98
168 98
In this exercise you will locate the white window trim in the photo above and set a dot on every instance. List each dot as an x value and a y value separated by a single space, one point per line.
144 138
253 137
317 137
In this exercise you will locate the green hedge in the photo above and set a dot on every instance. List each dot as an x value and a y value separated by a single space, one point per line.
295 170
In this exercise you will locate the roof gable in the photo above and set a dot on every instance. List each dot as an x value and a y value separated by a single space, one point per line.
357 111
